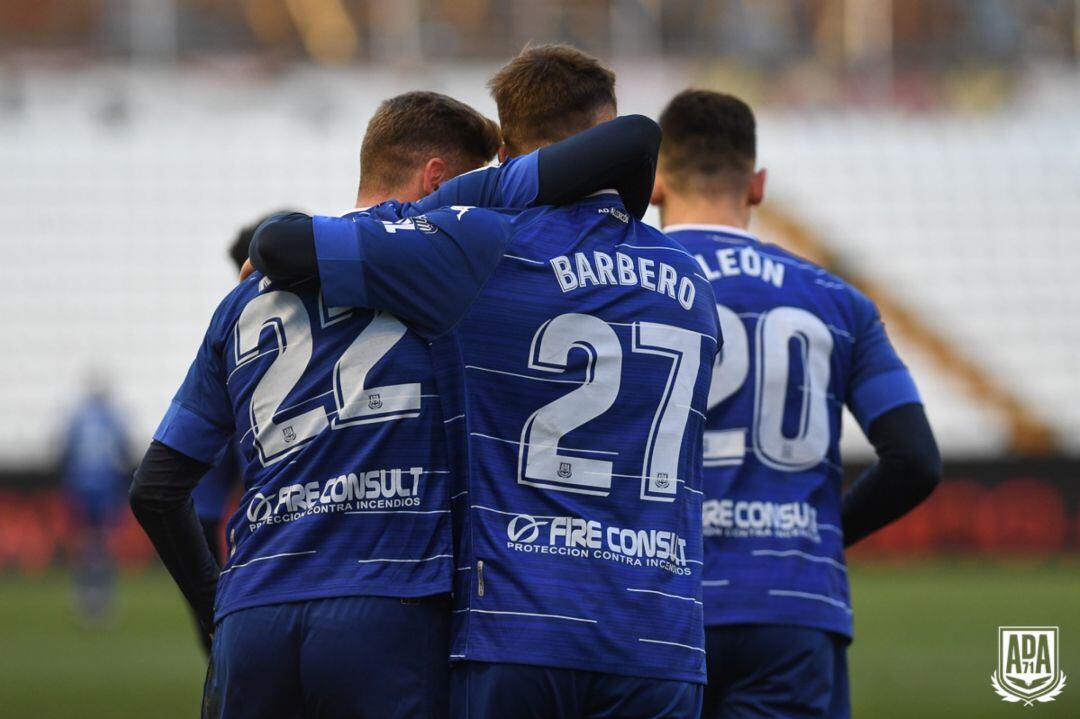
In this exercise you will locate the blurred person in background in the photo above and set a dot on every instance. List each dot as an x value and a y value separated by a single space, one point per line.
94 468
799 345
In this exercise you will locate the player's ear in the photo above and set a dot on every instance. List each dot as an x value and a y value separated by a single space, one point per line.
504 152
756 194
435 173
658 190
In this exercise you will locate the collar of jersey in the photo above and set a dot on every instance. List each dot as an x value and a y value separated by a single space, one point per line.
365 209
604 194
718 229
608 197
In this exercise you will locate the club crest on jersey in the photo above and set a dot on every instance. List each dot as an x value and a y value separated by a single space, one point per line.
374 401
564 470
662 480
1028 668
289 434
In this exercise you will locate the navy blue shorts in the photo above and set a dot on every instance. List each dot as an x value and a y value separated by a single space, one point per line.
775 671
480 690
347 658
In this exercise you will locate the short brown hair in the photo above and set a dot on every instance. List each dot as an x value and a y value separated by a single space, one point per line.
412 127
710 142
550 92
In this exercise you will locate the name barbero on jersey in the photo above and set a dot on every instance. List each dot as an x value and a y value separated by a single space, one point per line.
619 269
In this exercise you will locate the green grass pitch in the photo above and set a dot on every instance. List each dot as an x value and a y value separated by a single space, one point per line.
925 645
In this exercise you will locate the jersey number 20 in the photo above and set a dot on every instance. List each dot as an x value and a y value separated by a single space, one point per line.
778 330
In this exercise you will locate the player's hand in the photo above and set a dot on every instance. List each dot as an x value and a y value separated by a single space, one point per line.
246 270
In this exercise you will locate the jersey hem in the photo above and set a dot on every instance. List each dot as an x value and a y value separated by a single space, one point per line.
844 629
622 670
428 589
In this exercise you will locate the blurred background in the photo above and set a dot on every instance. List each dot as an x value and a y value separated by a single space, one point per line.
928 150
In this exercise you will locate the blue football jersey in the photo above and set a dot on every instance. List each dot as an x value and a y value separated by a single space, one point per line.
340 442
337 425
573 385
799 344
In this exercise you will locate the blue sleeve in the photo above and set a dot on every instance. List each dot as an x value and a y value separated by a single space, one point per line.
426 270
200 421
213 490
619 154
513 184
879 379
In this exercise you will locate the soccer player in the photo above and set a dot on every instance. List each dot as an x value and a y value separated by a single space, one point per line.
333 599
573 349
93 466
800 343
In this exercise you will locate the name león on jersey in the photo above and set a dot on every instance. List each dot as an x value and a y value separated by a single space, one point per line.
741 261
616 269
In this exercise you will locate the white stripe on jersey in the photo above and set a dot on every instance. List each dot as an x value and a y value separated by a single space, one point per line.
534 614
663 594
715 582
408 561
263 559
672 644
809 595
401 511
801 555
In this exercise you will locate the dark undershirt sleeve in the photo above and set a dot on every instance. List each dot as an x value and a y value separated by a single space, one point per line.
907 471
161 500
283 248
620 155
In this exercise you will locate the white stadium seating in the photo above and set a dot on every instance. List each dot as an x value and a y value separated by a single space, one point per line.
120 193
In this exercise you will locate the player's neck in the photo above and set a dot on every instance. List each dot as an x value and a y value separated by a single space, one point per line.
365 200
370 197
698 210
